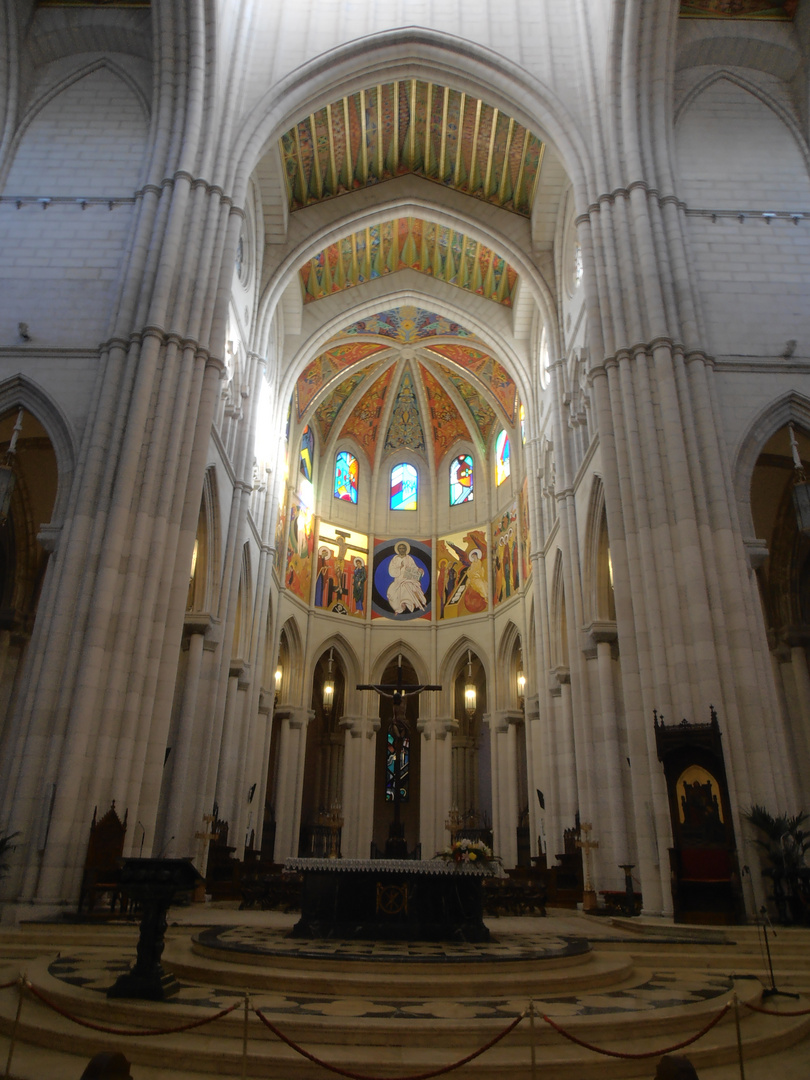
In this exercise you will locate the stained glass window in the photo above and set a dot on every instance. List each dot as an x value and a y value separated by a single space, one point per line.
347 471
522 425
404 485
503 465
307 446
391 768
461 480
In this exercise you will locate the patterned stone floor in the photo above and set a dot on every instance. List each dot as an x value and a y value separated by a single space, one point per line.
268 941
663 989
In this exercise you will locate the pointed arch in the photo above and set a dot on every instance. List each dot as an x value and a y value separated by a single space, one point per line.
559 617
791 406
21 392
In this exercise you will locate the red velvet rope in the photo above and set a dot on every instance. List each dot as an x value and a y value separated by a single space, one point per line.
127 1031
647 1054
776 1012
7 986
365 1076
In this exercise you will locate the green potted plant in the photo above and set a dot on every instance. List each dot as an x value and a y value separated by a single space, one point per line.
785 844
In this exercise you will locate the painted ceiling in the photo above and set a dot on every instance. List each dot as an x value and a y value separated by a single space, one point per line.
411 126
408 242
444 392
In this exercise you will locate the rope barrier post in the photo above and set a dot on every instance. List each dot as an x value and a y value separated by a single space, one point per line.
13 1042
245 1036
531 1039
739 1035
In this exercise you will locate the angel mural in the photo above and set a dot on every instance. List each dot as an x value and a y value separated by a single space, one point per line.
462 580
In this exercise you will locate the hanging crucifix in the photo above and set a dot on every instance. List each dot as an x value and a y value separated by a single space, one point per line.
396 847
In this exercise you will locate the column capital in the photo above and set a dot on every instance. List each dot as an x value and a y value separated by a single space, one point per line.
297 715
360 726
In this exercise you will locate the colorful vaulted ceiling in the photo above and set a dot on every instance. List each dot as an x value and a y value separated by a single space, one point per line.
402 243
410 126
448 391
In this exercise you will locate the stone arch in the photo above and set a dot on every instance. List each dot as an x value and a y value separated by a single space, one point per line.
559 617
64 84
291 657
455 655
597 585
509 646
20 391
205 581
350 663
404 53
791 406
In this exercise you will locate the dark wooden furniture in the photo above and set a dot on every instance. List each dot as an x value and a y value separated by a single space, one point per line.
703 859
102 864
389 899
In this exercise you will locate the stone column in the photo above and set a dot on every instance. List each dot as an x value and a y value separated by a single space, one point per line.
358 784
435 783
292 747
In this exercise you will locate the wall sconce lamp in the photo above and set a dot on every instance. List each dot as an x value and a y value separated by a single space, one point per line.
7 478
470 693
329 687
521 685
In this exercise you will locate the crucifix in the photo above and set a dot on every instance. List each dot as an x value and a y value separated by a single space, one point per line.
396 847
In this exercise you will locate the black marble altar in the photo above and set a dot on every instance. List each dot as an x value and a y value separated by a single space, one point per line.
390 899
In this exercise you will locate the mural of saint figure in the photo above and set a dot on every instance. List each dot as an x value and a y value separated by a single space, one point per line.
405 592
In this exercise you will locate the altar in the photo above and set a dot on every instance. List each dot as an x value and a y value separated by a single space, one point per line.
394 899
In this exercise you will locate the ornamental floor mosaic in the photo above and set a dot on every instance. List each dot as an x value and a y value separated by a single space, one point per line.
268 941
658 990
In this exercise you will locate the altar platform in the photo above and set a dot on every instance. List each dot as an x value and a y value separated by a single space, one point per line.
391 899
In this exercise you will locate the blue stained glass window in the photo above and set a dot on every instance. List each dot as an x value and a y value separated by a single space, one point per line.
522 425
404 486
461 479
307 447
347 471
391 769
503 465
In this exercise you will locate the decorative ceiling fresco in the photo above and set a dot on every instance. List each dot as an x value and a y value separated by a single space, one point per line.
410 126
364 420
325 367
489 371
448 426
739 9
482 412
407 325
405 427
404 243
328 410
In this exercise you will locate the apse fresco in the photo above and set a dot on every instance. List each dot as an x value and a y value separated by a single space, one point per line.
323 369
489 371
525 530
300 542
328 410
403 573
445 420
482 412
741 9
341 571
364 422
505 556
405 427
408 324
462 574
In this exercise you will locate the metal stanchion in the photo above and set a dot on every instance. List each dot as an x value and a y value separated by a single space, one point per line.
531 1039
739 1034
245 1036
16 1025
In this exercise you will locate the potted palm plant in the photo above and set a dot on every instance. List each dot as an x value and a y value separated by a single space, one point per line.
785 843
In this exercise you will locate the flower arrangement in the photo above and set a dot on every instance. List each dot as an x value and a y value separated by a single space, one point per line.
468 852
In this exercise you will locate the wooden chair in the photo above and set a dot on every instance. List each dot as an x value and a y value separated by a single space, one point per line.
102 865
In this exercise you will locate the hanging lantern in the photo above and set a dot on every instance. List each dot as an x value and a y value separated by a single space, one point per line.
801 488
329 688
470 692
521 685
277 680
